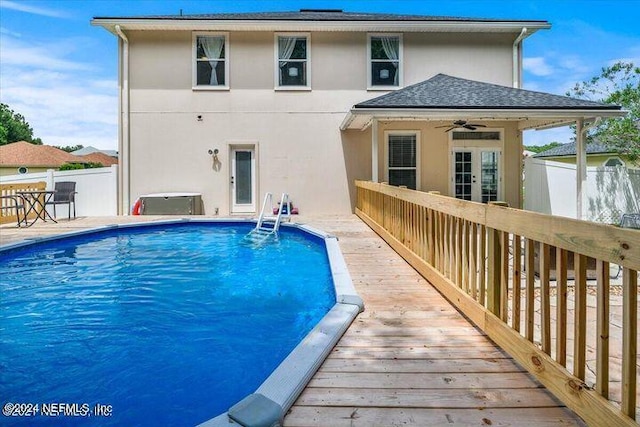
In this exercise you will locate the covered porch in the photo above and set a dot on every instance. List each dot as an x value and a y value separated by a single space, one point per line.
464 138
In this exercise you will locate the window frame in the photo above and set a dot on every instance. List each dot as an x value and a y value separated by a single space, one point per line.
417 134
276 69
370 85
194 60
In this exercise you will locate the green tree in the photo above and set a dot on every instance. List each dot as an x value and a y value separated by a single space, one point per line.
14 127
74 166
541 148
618 84
70 148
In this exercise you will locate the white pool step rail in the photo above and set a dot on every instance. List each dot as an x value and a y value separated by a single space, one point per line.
268 223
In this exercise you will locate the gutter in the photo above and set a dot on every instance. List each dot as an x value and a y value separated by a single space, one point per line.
124 186
517 56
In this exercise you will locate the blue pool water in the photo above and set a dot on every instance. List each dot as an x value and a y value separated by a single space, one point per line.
170 325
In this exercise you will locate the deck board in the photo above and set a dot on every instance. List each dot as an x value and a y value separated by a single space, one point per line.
410 359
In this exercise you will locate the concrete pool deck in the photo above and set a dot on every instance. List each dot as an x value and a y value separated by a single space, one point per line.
409 359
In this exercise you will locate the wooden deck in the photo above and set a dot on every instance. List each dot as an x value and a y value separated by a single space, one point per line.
409 359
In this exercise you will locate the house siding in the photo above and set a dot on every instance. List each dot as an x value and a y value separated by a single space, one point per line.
300 148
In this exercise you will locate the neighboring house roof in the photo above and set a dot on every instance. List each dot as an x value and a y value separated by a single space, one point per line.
98 157
88 150
447 92
570 150
23 153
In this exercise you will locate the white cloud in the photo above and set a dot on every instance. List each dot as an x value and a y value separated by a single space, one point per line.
8 32
66 102
537 66
34 10
48 57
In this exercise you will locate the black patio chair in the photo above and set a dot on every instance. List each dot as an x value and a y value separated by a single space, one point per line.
14 201
65 195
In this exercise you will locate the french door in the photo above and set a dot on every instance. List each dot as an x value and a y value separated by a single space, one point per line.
476 174
243 180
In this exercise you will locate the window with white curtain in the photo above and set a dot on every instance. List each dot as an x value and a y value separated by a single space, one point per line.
211 67
292 62
385 60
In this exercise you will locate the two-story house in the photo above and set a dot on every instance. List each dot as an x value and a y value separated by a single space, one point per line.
235 105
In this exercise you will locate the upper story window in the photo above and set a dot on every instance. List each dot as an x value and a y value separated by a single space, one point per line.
292 62
211 68
385 61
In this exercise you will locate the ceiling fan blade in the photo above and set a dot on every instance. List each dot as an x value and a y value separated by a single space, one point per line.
470 127
479 126
452 127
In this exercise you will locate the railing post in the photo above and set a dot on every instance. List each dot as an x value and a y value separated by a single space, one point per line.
493 271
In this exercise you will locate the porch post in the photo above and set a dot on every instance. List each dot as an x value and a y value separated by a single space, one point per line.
374 150
581 167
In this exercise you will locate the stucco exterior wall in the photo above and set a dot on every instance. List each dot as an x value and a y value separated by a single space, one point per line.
299 146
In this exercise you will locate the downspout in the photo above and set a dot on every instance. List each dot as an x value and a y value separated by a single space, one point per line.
517 53
124 187
581 163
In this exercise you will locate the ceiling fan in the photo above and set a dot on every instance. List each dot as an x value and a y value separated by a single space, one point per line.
462 124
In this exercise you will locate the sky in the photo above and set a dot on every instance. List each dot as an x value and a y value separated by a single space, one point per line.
60 72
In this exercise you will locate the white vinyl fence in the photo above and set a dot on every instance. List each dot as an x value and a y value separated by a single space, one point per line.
97 189
550 188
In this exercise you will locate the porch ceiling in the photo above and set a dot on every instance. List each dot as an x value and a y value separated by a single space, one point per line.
527 119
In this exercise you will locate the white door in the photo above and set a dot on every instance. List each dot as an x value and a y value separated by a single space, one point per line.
243 180
476 174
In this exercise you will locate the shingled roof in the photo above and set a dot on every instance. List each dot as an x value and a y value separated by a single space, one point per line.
447 92
319 15
569 149
23 153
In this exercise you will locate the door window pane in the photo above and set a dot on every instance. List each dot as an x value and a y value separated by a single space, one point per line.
489 172
463 176
243 177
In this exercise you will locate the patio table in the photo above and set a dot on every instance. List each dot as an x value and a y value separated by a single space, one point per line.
35 201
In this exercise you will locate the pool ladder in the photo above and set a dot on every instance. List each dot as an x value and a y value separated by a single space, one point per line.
268 224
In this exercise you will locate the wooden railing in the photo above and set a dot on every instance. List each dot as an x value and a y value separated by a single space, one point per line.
8 211
484 259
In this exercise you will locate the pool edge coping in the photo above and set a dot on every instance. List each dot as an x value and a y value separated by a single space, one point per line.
274 397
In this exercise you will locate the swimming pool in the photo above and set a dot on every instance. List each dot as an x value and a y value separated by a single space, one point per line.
165 324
